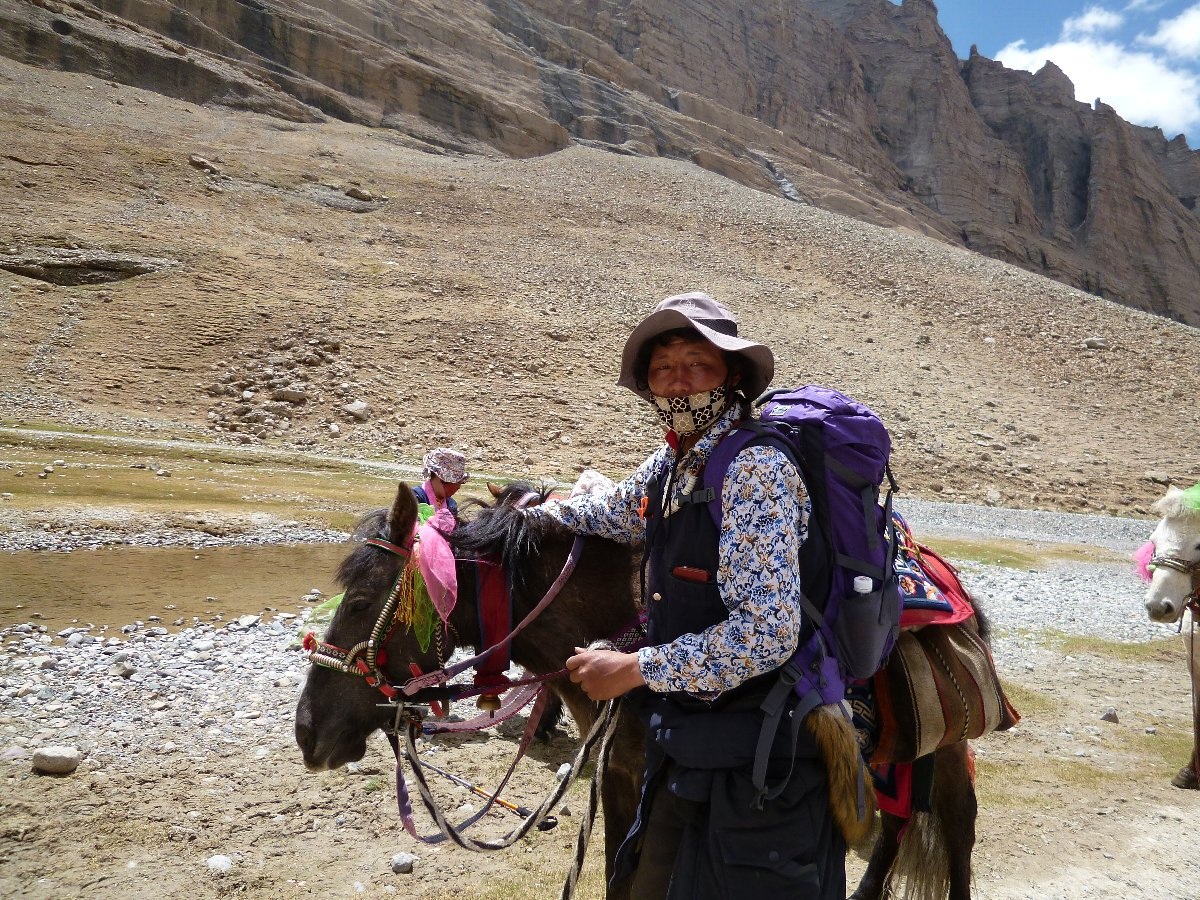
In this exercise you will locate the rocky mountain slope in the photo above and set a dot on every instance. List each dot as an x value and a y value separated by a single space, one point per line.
855 106
335 288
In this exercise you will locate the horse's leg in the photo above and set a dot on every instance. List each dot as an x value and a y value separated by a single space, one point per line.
551 716
931 851
874 881
1188 777
956 808
622 788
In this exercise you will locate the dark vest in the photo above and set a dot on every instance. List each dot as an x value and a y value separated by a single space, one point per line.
682 597
692 744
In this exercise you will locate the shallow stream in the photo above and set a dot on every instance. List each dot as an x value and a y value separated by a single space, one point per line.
118 585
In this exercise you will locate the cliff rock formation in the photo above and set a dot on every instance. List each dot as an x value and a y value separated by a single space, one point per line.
857 106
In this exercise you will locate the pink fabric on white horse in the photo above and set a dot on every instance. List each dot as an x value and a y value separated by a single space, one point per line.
1141 560
1177 536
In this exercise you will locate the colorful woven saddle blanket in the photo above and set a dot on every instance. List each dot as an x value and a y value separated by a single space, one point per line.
924 602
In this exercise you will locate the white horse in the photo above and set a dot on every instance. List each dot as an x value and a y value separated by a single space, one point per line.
1170 562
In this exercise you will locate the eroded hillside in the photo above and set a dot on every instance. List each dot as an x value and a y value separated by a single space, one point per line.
349 290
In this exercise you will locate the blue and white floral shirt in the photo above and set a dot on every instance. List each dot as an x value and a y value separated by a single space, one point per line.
764 521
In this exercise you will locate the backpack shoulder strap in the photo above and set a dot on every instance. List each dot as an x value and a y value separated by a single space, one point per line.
751 432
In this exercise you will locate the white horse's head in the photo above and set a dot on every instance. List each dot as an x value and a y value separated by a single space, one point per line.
1174 568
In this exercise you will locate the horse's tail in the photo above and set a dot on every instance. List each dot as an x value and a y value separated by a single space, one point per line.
923 860
851 794
934 854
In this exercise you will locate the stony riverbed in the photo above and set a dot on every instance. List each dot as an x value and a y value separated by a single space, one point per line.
187 763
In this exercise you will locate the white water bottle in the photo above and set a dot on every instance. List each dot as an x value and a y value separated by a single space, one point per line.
863 584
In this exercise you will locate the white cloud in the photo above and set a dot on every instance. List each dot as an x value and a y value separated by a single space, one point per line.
1094 19
1180 36
1148 5
1140 86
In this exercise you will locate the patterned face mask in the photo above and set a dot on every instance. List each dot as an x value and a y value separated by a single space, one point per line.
687 415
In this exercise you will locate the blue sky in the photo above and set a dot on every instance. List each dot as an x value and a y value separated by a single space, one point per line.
1141 57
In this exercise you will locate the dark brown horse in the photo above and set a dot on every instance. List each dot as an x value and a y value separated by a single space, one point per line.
337 711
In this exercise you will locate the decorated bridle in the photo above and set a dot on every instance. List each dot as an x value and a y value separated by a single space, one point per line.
1184 567
366 658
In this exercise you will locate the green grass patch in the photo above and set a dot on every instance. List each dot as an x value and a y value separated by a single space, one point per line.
1017 784
992 553
1024 555
29 438
1163 650
543 878
118 478
1030 704
1164 751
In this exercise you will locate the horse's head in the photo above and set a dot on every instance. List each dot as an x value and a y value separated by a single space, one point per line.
338 707
1175 564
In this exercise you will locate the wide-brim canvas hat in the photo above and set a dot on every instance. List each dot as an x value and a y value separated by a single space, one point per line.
717 325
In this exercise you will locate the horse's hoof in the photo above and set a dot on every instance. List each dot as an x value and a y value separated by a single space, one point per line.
1186 778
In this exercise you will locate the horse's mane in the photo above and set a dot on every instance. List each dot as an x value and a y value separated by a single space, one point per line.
361 561
1178 503
503 531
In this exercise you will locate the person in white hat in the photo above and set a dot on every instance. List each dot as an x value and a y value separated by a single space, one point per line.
724 614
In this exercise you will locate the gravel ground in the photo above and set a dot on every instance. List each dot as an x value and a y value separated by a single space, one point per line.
53 684
1100 599
165 722
969 520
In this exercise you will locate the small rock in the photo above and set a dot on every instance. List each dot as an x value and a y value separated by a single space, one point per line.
1110 715
199 162
122 670
564 771
219 864
56 760
402 863
358 409
290 395
1096 343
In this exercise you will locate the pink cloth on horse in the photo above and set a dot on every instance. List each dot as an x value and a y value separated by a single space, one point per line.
435 558
1141 559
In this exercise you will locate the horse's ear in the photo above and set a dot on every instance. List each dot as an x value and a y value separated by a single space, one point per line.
402 518
495 489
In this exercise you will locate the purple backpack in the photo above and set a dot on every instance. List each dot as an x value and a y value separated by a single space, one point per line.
848 581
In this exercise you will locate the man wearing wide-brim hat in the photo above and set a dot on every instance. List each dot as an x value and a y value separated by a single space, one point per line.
724 614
